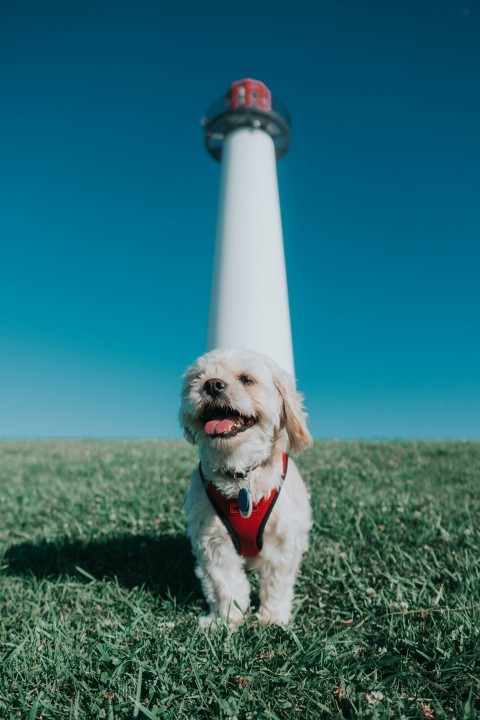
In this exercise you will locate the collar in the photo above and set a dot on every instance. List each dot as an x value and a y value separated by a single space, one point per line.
235 474
243 475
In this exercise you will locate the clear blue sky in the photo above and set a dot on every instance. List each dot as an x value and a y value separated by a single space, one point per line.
108 206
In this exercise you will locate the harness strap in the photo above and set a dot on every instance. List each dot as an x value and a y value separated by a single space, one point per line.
246 533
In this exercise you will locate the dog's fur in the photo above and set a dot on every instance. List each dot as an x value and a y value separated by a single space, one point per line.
255 387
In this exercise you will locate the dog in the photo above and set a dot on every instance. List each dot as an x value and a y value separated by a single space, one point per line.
246 510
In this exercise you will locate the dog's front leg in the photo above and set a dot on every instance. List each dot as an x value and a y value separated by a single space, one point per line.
224 583
276 590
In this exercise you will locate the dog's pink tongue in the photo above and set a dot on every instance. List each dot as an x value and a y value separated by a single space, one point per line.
217 427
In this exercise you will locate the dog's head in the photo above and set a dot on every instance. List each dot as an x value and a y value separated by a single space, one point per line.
236 403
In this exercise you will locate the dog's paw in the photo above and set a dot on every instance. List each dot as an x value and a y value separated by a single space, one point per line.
213 623
208 622
265 617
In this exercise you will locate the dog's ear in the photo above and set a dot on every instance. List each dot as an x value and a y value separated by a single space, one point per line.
187 377
294 418
188 435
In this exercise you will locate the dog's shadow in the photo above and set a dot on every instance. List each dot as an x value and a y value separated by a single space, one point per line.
162 564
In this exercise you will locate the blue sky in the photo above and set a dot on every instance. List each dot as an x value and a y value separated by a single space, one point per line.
108 205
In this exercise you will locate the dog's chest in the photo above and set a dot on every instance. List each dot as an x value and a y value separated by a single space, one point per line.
246 531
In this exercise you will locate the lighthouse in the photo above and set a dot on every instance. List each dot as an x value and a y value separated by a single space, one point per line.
248 131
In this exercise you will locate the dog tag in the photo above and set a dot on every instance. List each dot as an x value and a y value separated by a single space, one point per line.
244 503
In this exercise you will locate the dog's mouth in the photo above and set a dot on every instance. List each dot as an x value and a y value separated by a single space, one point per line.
225 422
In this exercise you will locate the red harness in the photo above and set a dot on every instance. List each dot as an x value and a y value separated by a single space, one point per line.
246 533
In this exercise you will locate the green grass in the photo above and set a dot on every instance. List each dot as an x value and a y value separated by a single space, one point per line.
99 603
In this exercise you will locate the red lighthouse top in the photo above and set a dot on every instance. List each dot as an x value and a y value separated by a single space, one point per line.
247 103
249 93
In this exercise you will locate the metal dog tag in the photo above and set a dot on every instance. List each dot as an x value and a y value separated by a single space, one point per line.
244 502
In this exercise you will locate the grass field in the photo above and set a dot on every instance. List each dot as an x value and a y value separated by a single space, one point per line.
99 603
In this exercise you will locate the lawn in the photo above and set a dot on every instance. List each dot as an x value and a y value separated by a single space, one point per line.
99 603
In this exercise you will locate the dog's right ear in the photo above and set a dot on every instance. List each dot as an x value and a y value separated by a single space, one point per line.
188 436
188 376
187 433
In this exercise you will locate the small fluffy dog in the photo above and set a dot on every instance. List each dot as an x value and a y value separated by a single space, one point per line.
246 510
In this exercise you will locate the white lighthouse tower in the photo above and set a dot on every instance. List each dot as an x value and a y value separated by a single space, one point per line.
248 131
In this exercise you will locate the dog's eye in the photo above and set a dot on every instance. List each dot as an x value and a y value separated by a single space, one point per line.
246 380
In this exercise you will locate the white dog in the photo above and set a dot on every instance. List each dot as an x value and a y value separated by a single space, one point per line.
245 509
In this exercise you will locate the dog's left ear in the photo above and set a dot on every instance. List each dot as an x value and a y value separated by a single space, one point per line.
294 418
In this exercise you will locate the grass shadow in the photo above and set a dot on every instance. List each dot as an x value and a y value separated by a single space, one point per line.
162 564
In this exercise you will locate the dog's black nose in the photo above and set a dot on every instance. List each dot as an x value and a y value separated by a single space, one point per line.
214 387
